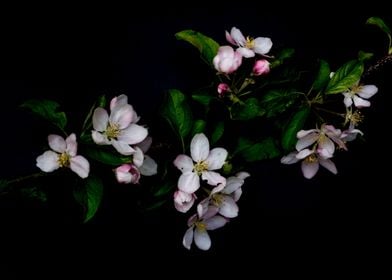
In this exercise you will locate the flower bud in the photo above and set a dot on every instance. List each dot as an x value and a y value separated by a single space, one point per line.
261 67
127 174
227 60
222 89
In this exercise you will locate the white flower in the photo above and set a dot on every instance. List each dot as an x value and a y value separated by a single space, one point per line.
358 94
248 46
64 154
202 163
118 129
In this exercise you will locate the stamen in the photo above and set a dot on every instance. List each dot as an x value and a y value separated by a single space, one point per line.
112 131
200 167
63 160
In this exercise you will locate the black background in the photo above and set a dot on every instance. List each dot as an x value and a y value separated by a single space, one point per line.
73 57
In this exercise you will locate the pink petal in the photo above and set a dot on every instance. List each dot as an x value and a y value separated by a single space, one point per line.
184 163
57 143
100 119
99 138
122 116
72 145
122 148
189 182
328 164
202 239
80 166
133 134
118 101
216 158
228 208
262 45
213 178
211 211
326 147
188 238
149 167
359 102
367 91
200 147
306 141
309 169
215 222
247 53
123 175
229 38
183 201
48 161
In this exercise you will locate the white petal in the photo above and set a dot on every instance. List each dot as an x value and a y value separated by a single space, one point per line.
188 238
228 208
57 143
217 189
229 38
216 159
302 133
72 145
237 36
202 239
367 91
133 134
290 158
326 147
80 166
48 161
123 175
118 101
242 175
359 102
137 157
189 182
232 184
200 147
213 178
99 138
100 119
309 169
304 153
306 141
328 164
149 167
122 115
202 207
262 45
211 212
183 201
184 163
215 222
247 53
237 194
348 101
145 144
122 148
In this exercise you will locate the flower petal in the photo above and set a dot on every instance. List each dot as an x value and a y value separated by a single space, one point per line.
326 147
228 208
202 239
189 182
188 238
138 157
99 138
216 158
367 91
200 147
145 144
57 143
80 166
237 194
232 184
118 101
100 119
122 148
242 175
183 201
133 134
237 37
290 158
348 101
122 116
184 163
213 178
149 167
247 53
309 169
229 38
302 133
122 174
72 145
48 161
304 153
215 222
262 45
328 164
306 141
359 102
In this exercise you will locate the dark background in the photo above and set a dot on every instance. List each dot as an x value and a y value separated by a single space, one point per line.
73 57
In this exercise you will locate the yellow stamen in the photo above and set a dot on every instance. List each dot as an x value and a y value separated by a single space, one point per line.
311 158
250 43
112 131
200 225
63 160
217 199
200 167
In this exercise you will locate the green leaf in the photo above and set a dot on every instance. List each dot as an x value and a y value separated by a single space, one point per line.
345 77
247 110
177 112
164 189
218 132
322 77
282 56
198 126
277 101
295 124
379 23
89 196
207 47
47 109
363 56
203 99
251 151
107 157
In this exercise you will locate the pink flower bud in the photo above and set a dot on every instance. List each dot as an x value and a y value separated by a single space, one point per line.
261 67
222 89
183 201
127 174
227 60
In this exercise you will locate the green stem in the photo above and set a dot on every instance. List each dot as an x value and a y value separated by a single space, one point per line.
27 177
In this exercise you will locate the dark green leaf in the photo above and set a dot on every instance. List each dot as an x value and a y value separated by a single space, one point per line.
177 112
164 189
295 124
218 132
345 77
107 157
89 196
363 56
198 126
250 109
208 47
203 99
47 109
277 101
322 77
380 24
251 151
282 56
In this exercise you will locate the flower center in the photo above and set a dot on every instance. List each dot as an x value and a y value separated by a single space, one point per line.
217 199
200 167
250 43
112 131
311 158
355 118
63 160
200 225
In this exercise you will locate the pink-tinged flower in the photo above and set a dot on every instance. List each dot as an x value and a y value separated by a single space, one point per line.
358 94
261 67
127 174
197 230
201 163
118 129
222 89
248 47
227 60
183 201
63 154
